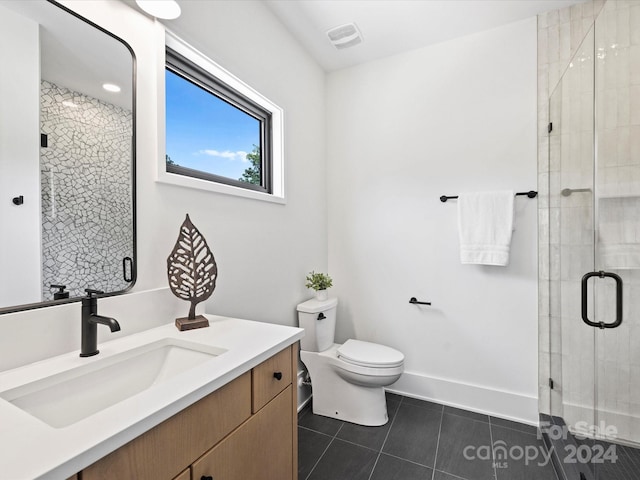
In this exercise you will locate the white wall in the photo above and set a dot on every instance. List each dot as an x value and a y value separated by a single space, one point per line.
453 117
400 132
263 250
19 160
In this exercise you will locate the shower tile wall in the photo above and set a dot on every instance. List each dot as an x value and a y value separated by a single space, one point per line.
560 34
86 191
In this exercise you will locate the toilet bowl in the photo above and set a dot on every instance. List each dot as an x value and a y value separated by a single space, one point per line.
348 380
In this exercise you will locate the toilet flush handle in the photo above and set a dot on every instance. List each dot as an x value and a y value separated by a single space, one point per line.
321 316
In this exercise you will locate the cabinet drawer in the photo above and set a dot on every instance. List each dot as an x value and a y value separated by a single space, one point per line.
259 449
165 450
270 378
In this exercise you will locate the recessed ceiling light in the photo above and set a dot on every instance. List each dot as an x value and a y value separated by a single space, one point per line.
110 87
166 9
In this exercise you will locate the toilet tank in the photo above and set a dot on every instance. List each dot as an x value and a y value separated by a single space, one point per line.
318 318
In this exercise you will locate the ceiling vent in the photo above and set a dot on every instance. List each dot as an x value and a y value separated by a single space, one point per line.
345 36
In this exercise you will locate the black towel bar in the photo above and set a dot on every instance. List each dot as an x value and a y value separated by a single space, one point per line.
530 194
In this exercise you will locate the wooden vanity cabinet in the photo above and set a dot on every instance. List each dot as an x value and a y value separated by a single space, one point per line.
246 430
185 475
270 378
260 449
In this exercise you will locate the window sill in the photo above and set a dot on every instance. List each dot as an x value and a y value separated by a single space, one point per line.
190 182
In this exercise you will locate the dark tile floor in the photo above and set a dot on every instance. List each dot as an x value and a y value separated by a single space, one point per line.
421 441
615 462
589 459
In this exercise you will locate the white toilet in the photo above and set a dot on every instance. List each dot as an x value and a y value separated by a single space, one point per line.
348 380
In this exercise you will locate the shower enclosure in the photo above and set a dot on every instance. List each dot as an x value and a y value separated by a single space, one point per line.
594 239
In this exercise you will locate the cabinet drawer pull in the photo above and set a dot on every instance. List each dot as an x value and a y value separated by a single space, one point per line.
277 375
206 477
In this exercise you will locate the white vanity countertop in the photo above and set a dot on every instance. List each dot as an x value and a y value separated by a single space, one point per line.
31 449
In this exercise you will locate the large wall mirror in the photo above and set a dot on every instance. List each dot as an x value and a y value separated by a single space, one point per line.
67 157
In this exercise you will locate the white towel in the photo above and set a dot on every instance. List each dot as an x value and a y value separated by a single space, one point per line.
485 224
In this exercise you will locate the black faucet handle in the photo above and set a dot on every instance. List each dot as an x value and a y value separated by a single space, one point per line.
91 291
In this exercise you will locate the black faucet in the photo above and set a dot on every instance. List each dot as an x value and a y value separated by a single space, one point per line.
90 321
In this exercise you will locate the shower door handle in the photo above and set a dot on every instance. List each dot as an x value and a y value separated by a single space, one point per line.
585 317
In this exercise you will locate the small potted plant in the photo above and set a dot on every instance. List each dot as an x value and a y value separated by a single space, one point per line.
319 282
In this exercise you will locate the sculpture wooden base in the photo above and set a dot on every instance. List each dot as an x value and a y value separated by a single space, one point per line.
184 323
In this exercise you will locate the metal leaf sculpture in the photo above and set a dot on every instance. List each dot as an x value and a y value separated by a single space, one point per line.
192 272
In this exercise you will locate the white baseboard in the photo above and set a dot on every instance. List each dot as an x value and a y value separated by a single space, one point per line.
476 398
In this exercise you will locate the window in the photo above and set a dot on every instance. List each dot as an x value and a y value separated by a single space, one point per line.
220 134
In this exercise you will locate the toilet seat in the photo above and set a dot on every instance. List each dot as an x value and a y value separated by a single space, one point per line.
349 369
370 355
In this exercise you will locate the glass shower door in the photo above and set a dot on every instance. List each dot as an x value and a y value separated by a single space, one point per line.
571 154
617 213
594 235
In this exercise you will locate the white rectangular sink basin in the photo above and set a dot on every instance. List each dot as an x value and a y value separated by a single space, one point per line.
68 397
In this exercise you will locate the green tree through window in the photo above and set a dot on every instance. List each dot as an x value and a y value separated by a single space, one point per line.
252 173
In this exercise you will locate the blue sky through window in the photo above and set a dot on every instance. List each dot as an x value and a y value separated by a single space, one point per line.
206 133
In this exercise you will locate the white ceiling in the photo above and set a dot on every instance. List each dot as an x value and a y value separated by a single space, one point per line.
390 27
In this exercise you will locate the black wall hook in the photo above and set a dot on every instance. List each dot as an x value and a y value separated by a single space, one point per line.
415 301
18 200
